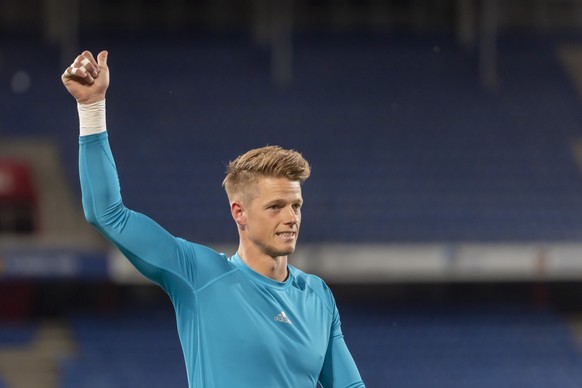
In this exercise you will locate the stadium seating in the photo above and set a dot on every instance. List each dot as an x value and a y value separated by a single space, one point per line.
406 146
447 347
16 333
405 143
135 349
463 347
16 338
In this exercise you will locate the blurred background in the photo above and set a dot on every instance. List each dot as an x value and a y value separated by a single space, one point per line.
444 208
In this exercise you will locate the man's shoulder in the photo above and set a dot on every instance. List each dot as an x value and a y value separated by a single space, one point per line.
206 258
305 277
200 250
313 283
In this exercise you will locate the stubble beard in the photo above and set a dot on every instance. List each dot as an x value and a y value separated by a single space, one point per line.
274 253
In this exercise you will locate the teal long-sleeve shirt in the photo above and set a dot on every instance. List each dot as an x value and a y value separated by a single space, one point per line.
237 328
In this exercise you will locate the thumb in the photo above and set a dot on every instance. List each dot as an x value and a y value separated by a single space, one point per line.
102 58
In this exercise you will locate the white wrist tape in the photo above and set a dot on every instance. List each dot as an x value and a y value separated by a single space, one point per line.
91 118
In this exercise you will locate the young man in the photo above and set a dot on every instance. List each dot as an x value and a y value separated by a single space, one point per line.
250 320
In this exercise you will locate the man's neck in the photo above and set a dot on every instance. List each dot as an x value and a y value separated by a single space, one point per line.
272 267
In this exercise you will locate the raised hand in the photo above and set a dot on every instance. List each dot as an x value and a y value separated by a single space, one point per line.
87 79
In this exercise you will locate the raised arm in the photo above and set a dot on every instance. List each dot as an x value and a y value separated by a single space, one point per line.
152 250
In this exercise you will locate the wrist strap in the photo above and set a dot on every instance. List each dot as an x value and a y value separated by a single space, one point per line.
91 118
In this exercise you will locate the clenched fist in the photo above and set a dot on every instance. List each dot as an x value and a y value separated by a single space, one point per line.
87 79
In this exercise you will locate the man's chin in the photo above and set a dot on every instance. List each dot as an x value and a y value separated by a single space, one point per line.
282 252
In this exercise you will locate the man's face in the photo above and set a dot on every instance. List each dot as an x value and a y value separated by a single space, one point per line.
273 216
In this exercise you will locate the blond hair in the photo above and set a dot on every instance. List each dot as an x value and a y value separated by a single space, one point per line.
269 161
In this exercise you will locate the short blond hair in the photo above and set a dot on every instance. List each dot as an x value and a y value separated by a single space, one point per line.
268 161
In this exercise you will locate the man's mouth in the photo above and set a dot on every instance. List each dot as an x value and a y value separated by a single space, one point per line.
286 234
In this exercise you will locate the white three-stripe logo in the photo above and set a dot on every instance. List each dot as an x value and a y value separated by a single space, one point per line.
282 317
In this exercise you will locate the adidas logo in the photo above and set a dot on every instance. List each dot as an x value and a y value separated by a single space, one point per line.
282 317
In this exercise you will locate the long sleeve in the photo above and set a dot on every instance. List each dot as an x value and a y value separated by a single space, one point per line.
152 250
339 368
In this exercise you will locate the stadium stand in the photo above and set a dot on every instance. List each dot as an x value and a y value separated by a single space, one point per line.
404 142
132 349
463 347
30 353
16 333
406 146
417 346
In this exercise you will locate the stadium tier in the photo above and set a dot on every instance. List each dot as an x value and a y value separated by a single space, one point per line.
449 347
463 347
130 350
405 143
445 215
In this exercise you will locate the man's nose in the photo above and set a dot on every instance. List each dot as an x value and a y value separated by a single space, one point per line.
291 215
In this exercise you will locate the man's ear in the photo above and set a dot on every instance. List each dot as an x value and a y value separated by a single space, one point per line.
238 213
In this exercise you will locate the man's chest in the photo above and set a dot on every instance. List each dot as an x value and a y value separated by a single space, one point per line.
240 321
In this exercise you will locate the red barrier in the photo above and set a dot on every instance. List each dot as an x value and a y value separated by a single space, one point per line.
16 182
18 197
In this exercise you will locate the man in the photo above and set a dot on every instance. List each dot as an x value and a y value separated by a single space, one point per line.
250 320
